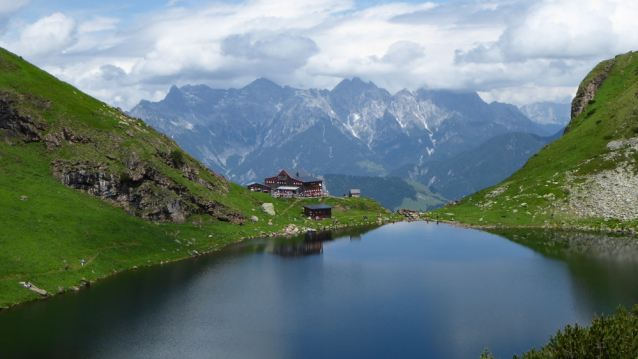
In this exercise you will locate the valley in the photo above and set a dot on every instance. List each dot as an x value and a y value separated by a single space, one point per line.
89 192
331 179
452 142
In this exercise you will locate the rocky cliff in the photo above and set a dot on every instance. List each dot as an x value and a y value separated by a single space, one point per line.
589 87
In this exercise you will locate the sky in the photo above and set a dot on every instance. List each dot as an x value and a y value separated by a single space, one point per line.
514 51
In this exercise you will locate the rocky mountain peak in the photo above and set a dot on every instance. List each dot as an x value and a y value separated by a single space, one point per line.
174 97
355 128
356 86
263 89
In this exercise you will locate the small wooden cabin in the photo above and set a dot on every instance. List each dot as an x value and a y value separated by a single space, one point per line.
355 193
317 211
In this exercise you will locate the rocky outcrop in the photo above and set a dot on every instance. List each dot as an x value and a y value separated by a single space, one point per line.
409 213
141 191
587 91
609 193
17 124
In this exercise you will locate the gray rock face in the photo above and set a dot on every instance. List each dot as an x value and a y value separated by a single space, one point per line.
17 124
151 196
588 92
356 128
609 194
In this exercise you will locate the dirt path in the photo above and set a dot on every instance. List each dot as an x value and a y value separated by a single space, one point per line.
289 207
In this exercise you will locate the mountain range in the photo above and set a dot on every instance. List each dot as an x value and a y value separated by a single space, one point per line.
479 167
356 128
550 116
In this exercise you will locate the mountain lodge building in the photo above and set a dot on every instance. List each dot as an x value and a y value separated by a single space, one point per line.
290 183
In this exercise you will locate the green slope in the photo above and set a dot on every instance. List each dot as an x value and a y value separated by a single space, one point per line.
80 180
583 179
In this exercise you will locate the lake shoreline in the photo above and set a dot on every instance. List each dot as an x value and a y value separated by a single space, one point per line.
189 254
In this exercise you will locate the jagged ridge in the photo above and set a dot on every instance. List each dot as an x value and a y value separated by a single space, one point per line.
356 128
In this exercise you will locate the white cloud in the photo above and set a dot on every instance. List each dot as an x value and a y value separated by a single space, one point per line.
550 29
281 47
509 50
47 36
98 23
8 9
403 52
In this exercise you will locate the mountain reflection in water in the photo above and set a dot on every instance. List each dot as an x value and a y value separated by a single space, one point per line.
604 265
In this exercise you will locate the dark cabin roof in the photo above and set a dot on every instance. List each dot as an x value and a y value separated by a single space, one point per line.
300 174
309 179
297 173
317 206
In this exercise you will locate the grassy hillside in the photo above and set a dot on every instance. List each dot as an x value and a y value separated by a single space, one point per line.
80 180
587 178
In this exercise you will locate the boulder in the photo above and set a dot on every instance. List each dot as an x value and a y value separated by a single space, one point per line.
268 208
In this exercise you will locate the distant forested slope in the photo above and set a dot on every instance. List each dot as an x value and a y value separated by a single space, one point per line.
389 192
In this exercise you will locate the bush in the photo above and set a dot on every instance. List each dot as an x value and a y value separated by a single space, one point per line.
177 156
608 337
124 177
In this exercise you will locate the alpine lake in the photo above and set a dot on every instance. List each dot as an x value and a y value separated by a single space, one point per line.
403 290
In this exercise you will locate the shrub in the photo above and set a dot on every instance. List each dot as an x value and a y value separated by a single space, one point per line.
607 337
177 156
124 177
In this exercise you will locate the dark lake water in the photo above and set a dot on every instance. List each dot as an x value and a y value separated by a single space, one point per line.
407 290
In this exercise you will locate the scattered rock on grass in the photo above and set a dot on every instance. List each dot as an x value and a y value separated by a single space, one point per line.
268 208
